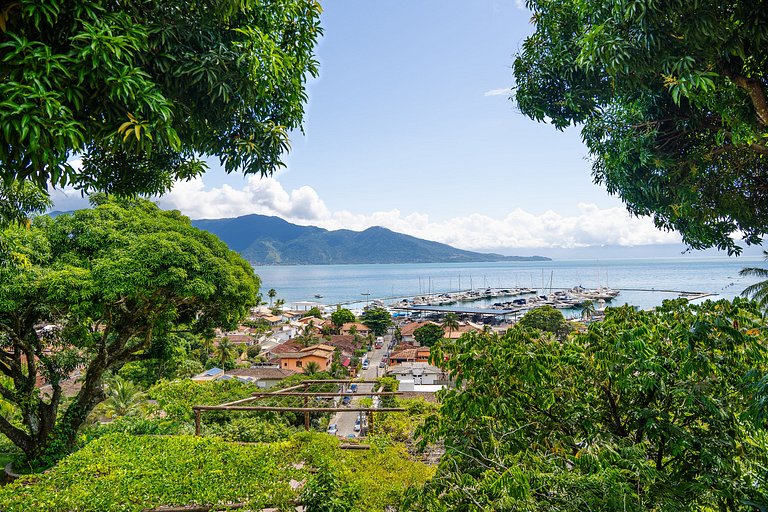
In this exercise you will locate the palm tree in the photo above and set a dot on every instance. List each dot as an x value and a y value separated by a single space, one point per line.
225 351
587 309
123 397
450 322
271 294
759 290
312 368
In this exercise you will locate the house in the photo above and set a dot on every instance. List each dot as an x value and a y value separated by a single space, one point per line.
273 320
409 354
209 375
359 329
344 342
464 327
237 338
263 377
298 360
418 377
407 330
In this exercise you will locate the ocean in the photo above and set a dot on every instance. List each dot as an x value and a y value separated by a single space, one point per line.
644 283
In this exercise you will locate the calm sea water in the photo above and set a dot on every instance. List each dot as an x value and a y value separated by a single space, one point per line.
662 277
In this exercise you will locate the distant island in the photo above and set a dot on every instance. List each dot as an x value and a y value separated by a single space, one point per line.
264 240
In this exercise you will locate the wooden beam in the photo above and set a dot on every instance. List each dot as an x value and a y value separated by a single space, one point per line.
293 409
361 394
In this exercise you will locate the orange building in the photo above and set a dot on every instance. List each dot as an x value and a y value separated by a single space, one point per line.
297 361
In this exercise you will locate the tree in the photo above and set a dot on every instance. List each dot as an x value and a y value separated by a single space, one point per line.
342 316
660 410
545 318
377 319
451 322
757 291
312 368
123 397
253 351
95 290
672 99
587 309
271 294
225 352
141 91
428 334
315 312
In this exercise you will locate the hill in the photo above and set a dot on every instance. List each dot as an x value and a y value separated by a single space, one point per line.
264 240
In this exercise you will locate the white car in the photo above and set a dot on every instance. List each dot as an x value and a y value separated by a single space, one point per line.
333 429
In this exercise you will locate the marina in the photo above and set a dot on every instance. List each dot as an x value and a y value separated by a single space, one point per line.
644 283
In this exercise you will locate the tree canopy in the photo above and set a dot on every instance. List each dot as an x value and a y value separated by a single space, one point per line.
672 99
342 316
660 410
142 90
429 334
545 318
377 319
95 290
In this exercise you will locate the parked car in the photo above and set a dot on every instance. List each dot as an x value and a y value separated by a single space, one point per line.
365 364
333 429
353 388
346 400
382 364
357 427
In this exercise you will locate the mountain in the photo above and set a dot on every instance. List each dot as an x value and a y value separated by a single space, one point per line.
266 240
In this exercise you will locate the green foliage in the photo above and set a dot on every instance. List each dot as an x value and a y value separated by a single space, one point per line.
329 491
19 200
644 411
253 351
547 319
143 90
429 334
672 98
111 284
176 398
249 430
377 320
132 473
759 290
314 311
123 397
342 316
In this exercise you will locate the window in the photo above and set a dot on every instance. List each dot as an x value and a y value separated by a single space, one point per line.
298 364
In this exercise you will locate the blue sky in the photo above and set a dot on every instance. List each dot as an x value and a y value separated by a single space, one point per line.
410 126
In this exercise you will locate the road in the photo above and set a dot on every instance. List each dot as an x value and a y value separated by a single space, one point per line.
345 421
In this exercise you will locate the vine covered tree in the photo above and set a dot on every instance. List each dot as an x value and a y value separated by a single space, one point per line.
143 91
95 290
647 410
672 99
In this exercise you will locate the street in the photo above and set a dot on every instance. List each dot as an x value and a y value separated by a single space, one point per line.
345 421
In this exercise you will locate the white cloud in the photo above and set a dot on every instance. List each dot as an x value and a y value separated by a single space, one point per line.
520 4
518 229
504 91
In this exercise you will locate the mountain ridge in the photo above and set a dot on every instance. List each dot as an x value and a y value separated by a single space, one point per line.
270 240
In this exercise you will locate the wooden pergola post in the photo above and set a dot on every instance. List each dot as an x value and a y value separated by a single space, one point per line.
198 413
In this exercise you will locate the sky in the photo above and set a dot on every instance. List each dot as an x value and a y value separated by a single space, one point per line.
410 126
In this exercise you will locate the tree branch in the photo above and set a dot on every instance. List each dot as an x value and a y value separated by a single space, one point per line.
18 436
756 93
